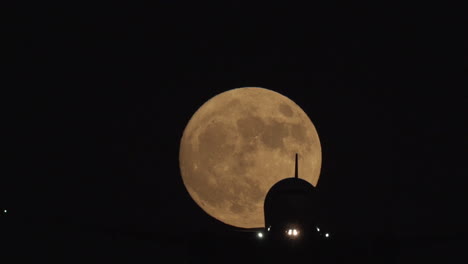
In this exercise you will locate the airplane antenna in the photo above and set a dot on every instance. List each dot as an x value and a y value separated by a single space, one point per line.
296 174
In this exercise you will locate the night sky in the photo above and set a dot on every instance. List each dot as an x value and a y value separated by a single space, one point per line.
97 98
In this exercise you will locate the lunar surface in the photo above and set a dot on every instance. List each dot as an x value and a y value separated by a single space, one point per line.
238 145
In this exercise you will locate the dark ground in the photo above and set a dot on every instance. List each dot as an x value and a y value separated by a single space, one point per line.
96 98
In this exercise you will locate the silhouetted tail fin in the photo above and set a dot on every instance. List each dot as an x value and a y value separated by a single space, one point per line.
296 174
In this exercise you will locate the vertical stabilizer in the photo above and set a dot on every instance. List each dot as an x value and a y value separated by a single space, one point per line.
296 174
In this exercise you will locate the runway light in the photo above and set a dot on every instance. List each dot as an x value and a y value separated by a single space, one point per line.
318 229
269 228
260 235
327 235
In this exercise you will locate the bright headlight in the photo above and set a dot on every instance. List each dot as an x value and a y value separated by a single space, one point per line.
292 232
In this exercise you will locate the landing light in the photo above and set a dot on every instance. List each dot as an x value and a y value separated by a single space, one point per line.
292 232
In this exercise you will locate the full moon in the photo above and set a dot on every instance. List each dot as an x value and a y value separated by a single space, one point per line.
238 145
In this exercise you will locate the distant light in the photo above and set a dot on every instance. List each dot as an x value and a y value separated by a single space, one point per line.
318 229
292 232
327 235
5 211
260 235
269 228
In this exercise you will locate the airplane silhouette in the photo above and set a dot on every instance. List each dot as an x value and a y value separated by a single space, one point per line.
291 212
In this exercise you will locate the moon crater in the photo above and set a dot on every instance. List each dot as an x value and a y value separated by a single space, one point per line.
285 110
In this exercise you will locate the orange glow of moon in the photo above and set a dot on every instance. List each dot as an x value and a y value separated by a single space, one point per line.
239 144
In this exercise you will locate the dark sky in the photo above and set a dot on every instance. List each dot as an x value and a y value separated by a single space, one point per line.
100 94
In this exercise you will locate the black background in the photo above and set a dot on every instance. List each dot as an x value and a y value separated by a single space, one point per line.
97 97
